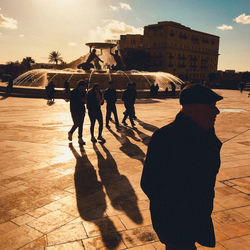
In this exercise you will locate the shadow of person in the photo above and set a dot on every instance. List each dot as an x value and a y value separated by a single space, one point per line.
144 137
90 199
147 126
127 147
118 187
4 96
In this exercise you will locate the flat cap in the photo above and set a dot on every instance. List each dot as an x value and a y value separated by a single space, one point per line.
196 93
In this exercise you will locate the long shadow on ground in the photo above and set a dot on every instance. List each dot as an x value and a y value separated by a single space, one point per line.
127 147
90 199
117 186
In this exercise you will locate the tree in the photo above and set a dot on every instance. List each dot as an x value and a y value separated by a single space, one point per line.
55 56
27 61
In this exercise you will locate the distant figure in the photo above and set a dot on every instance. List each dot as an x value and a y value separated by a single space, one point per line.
128 99
242 86
50 90
166 91
9 87
181 189
78 98
119 64
156 89
110 97
173 88
88 64
152 89
134 97
66 90
94 101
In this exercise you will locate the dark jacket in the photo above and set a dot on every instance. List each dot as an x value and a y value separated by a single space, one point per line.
110 96
129 96
93 101
179 178
76 101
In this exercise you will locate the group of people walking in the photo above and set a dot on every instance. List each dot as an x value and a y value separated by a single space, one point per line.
94 99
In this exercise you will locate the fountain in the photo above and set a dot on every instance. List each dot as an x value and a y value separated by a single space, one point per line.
102 75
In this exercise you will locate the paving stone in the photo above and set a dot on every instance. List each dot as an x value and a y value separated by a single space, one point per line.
66 233
18 237
36 244
103 225
50 221
110 241
7 227
77 245
228 217
39 212
139 236
245 211
236 243
139 220
24 219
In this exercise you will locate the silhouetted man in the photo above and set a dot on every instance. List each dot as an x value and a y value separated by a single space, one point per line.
110 97
78 99
128 99
180 171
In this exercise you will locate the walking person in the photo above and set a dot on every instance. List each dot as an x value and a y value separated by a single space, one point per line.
78 98
67 90
128 99
50 91
9 88
110 97
94 101
134 96
181 189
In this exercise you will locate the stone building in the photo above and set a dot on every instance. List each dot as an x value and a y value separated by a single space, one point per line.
177 49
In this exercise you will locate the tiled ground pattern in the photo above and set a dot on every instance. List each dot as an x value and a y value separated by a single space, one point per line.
58 196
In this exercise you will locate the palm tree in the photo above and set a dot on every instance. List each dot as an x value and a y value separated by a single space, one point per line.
55 56
27 61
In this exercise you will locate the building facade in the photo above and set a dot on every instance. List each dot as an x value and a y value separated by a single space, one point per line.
177 49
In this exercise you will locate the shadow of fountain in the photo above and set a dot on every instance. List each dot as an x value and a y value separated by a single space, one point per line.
117 186
90 199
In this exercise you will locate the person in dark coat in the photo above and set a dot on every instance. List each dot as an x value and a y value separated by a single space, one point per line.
78 99
110 97
67 90
9 88
134 97
181 189
94 101
128 98
50 91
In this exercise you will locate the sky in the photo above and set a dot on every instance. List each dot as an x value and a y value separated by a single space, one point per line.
37 27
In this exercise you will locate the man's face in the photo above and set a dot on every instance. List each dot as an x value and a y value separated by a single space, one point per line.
205 114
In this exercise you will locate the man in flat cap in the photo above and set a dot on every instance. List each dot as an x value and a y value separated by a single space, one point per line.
180 170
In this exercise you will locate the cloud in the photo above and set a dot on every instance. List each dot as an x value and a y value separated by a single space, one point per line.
8 22
113 8
225 27
72 44
125 6
112 29
242 19
21 35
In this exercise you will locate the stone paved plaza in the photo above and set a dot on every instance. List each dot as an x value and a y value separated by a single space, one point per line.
55 195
